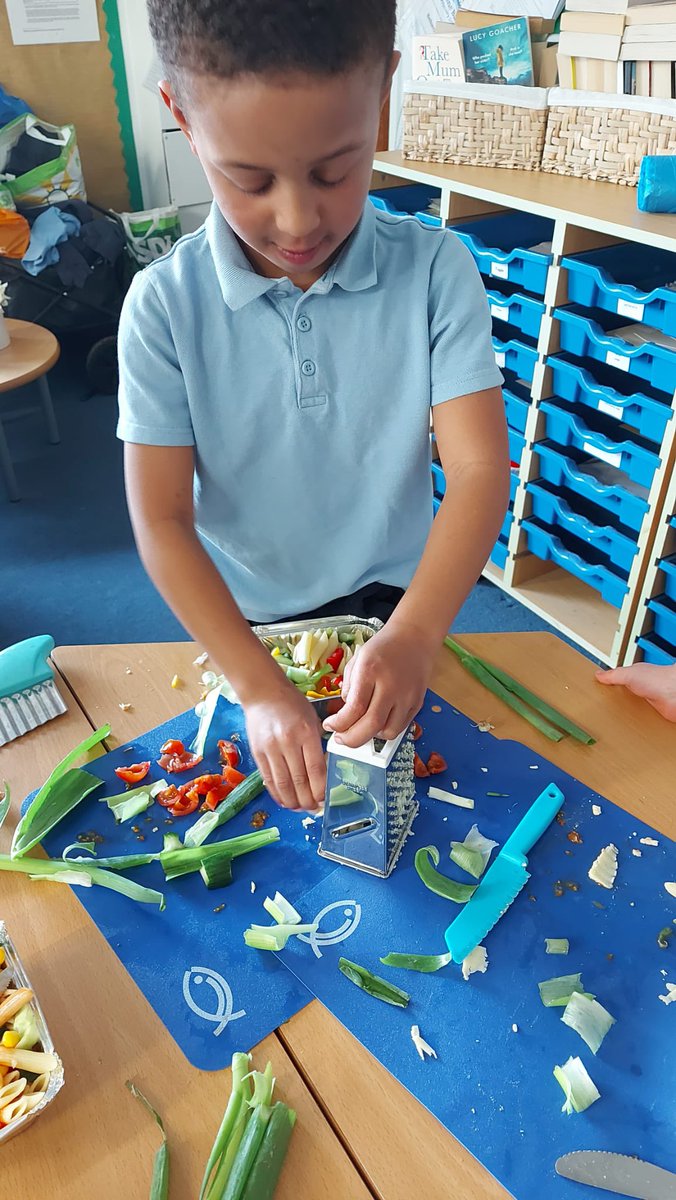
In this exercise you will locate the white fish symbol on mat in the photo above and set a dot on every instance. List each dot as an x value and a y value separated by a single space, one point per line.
224 1014
352 913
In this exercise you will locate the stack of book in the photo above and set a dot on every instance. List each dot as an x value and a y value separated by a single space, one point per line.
618 46
648 51
477 48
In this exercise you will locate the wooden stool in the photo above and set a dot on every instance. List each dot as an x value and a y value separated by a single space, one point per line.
30 354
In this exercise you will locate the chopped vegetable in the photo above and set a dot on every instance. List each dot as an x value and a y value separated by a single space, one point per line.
59 794
474 853
557 945
217 873
175 760
159 1186
588 1018
579 1089
190 858
200 660
416 731
419 768
5 801
476 960
134 773
274 937
421 1045
596 810
426 963
436 765
670 996
232 1126
664 936
668 887
86 874
130 804
436 793
228 753
26 1027
555 993
379 988
649 841
177 682
281 911
604 868
238 799
426 860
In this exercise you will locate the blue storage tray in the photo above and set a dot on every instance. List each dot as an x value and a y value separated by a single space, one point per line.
563 550
553 510
506 526
499 553
600 391
515 356
627 279
435 506
517 445
565 470
654 651
517 403
513 485
664 619
411 200
500 246
517 309
438 479
567 425
587 338
668 566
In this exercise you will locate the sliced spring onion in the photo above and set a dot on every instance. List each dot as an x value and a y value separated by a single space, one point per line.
555 993
243 794
664 937
217 872
273 937
190 858
588 1018
420 1044
71 878
437 793
4 802
134 801
426 860
426 963
579 1089
604 868
264 1174
53 802
557 945
171 841
476 961
109 879
88 847
354 774
474 853
379 988
244 1159
281 910
159 1186
263 1085
232 1126
120 862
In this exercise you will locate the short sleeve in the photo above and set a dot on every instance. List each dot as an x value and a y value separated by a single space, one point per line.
153 404
462 359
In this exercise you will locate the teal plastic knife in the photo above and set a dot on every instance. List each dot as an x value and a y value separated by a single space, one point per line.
504 879
28 693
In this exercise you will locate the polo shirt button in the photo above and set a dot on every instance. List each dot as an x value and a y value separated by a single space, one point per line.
308 367
304 324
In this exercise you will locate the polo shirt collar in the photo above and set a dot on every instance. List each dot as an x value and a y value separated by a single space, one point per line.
354 270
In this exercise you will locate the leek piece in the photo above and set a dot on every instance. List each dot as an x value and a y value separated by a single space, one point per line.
71 878
25 1024
580 1090
281 910
604 868
232 1126
353 774
269 1160
420 1044
120 862
134 801
263 1083
205 710
53 802
243 794
372 984
159 1186
557 945
475 961
4 802
555 993
171 841
341 795
190 858
588 1018
96 874
217 873
273 937
426 859
245 1157
426 963
468 860
437 793
88 847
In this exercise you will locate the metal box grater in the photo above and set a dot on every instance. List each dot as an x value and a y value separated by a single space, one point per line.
370 803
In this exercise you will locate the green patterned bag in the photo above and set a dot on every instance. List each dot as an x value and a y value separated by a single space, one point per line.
58 179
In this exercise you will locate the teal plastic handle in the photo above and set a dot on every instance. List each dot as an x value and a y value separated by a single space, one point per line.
25 665
531 828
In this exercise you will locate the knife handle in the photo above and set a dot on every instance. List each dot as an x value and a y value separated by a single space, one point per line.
531 828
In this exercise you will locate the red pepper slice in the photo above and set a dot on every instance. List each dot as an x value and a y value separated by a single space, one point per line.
201 784
233 777
416 730
335 659
436 764
228 753
217 794
168 797
173 746
419 769
186 805
134 773
335 683
179 762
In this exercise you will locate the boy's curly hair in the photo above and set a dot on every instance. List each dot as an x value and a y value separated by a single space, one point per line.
227 38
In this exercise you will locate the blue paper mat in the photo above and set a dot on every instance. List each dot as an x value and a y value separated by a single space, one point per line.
491 1086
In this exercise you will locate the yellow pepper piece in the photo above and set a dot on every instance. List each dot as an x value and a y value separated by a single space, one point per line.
11 1038
177 682
314 696
2 956
276 652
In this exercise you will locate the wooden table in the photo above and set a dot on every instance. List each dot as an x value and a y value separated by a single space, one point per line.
32 352
359 1133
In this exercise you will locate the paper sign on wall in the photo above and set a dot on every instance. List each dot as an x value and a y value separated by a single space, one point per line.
45 22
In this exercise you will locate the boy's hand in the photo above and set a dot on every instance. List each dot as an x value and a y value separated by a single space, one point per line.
285 740
384 685
655 684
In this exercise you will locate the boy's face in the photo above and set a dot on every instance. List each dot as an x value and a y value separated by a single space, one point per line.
289 161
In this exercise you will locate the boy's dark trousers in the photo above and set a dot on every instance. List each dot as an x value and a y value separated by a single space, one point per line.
375 600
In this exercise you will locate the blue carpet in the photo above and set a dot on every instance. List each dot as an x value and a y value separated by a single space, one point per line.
68 564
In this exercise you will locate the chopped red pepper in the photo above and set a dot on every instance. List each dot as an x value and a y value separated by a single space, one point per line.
134 773
335 659
217 794
201 784
228 753
168 797
334 683
173 746
185 805
416 730
436 764
419 769
233 777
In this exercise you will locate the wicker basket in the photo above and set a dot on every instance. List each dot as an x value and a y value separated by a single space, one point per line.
475 125
596 136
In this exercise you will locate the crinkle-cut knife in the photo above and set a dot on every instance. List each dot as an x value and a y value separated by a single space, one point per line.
618 1173
28 693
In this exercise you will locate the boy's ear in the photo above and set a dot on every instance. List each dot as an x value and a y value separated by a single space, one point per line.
166 92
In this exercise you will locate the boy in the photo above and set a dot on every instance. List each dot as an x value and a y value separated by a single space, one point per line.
277 371
655 684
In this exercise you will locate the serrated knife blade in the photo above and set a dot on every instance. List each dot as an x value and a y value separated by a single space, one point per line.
618 1173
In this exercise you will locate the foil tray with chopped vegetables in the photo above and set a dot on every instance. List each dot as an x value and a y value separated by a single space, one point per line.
30 1072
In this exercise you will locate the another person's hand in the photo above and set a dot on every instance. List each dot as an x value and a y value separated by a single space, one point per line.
653 683
384 685
285 739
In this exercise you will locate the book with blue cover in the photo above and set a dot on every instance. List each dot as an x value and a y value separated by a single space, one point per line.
499 54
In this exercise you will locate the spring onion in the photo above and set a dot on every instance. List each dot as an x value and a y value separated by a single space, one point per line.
474 853
588 1018
4 802
159 1186
190 858
243 794
372 984
134 801
557 945
555 993
437 793
604 868
60 793
426 963
482 672
426 860
232 1126
273 937
86 874
664 937
580 1090
281 911
217 872
267 1166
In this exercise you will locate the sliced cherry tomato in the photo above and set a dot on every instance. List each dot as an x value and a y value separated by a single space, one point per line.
173 746
217 794
179 762
228 753
201 784
419 769
436 764
134 773
334 660
168 797
233 777
416 730
185 806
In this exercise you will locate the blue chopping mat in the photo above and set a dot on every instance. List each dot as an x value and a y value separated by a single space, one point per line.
491 1086
213 994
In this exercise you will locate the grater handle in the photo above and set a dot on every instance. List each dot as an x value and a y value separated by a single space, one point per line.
25 665
538 818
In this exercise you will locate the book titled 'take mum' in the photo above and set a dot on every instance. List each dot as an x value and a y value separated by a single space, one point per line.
499 53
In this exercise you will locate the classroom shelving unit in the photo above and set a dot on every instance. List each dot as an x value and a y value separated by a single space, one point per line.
653 636
553 396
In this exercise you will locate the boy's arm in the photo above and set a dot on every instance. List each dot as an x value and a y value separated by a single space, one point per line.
282 729
387 684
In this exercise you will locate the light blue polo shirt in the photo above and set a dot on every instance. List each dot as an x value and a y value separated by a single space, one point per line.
309 411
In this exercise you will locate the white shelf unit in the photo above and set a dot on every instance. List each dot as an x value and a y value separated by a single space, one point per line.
663 546
587 215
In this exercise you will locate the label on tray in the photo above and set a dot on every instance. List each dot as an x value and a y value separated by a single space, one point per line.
499 311
611 410
618 360
500 358
500 270
626 308
614 460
